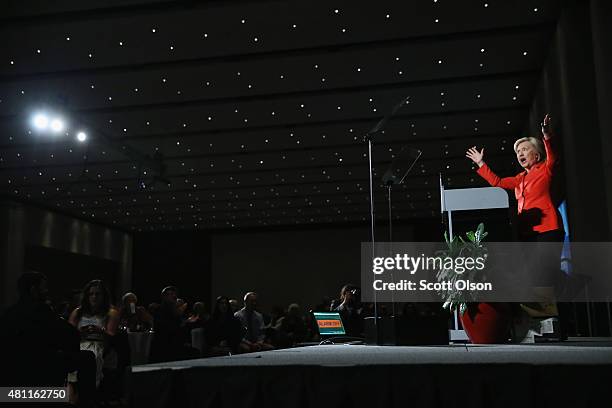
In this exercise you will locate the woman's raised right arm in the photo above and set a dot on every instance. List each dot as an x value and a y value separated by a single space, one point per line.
493 179
486 173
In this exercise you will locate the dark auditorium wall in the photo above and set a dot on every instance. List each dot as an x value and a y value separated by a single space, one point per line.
576 89
68 272
69 250
306 264
204 265
178 258
284 266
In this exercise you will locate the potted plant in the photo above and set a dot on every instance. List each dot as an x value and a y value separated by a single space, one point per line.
484 322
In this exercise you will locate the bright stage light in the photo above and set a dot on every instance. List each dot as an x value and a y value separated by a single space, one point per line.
81 136
57 125
41 121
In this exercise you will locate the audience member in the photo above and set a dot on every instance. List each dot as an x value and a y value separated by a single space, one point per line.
312 329
223 331
171 338
292 327
37 347
152 309
96 321
134 318
253 323
63 310
182 306
271 320
350 310
234 305
198 316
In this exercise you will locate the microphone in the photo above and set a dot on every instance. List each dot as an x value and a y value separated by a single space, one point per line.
381 123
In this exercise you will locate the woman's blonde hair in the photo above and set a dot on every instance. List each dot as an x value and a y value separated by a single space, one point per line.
535 142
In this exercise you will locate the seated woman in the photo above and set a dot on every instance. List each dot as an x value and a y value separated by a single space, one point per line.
134 318
223 331
197 317
96 321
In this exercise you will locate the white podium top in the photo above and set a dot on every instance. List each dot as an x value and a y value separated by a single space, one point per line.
473 198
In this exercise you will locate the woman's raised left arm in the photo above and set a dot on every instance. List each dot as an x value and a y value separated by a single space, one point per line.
551 153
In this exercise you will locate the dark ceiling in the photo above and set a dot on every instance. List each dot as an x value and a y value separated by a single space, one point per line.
258 108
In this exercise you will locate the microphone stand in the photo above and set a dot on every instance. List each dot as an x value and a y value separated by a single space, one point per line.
368 138
395 175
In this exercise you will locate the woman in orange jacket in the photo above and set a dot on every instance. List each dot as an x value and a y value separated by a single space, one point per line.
538 217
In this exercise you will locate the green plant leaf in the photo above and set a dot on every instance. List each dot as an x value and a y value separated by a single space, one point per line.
459 247
479 232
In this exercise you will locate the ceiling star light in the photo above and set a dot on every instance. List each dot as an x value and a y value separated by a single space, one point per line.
81 136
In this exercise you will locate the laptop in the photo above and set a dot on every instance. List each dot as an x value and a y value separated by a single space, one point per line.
329 324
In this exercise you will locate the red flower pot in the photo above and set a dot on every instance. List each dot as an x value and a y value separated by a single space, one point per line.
487 323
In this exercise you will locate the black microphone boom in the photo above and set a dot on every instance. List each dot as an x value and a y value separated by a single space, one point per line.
382 122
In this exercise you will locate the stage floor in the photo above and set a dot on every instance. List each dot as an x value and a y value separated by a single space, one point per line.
487 376
347 355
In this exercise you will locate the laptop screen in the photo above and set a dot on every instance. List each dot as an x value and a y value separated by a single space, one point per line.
329 324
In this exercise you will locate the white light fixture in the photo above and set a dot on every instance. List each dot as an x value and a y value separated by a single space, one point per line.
57 125
81 136
40 121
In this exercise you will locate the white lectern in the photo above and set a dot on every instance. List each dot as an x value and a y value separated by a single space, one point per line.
484 198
